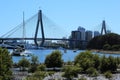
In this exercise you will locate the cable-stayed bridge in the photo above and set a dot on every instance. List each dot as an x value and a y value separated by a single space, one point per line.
40 28
35 28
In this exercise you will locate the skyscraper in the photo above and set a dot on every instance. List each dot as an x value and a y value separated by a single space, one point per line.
88 35
82 30
96 33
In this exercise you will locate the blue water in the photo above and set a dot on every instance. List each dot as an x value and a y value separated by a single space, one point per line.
68 56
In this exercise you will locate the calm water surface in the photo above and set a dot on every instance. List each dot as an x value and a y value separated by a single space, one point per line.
68 56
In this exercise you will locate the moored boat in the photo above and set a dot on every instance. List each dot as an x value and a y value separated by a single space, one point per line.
20 52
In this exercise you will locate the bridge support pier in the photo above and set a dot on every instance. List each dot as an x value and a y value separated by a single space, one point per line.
39 21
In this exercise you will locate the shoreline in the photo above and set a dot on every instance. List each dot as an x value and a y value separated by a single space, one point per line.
105 51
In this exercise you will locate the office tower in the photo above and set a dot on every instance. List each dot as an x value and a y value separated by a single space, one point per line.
88 35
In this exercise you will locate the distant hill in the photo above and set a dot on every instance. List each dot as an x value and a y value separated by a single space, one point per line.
109 41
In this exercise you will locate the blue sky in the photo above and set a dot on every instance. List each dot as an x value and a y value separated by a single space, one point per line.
67 13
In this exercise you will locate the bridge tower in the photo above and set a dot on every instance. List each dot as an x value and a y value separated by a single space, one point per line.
103 27
39 22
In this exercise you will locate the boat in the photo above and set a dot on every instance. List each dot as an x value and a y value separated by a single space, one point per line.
75 50
21 52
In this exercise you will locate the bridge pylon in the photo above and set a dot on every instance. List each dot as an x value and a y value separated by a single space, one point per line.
39 22
103 28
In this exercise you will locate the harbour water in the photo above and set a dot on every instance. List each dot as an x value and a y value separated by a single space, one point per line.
69 55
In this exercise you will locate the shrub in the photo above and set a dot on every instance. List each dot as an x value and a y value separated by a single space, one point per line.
71 71
41 67
92 72
54 59
5 65
108 74
24 63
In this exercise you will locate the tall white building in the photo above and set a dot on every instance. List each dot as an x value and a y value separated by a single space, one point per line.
82 31
88 35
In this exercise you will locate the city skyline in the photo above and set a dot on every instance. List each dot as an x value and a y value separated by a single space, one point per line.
70 14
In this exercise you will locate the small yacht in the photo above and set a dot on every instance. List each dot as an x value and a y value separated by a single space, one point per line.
20 52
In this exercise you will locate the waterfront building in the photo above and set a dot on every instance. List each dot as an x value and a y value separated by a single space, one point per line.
96 33
82 30
88 35
76 35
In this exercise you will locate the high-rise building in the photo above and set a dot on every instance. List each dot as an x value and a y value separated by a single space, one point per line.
96 33
88 35
82 30
76 35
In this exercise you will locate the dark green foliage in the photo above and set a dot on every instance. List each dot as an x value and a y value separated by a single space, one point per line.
92 72
85 60
107 47
108 64
96 59
5 65
41 67
104 41
118 60
108 74
34 64
71 71
34 60
54 59
115 47
24 63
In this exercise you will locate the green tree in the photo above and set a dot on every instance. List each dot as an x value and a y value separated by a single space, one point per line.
34 60
104 64
71 71
99 41
5 65
107 47
116 47
108 74
54 59
34 63
108 64
96 60
85 60
92 72
112 63
41 67
24 63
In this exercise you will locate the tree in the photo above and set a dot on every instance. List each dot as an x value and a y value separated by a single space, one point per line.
108 64
99 42
107 47
41 67
23 63
116 47
108 74
71 71
34 60
92 72
34 64
85 60
5 65
54 59
96 60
